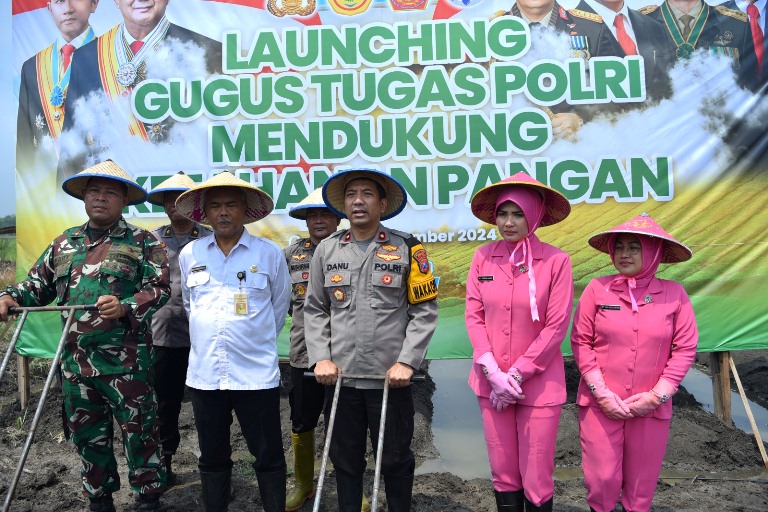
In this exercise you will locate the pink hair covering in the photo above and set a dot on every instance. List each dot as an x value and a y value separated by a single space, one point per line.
532 204
651 253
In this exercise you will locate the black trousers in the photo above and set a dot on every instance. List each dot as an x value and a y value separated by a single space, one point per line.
306 398
357 414
258 413
170 370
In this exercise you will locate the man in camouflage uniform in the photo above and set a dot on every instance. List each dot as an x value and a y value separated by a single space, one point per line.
371 309
123 271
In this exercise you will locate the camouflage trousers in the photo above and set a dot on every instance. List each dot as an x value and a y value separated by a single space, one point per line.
90 403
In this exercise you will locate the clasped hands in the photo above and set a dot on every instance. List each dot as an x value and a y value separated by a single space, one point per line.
506 389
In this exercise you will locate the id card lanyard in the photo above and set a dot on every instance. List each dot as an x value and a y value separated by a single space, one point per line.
241 298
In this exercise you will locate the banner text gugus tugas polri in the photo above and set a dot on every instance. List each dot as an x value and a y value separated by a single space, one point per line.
427 91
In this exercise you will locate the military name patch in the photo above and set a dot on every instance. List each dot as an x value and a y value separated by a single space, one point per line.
336 266
302 266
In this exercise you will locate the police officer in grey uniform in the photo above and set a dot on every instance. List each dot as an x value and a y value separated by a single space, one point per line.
306 396
170 326
371 309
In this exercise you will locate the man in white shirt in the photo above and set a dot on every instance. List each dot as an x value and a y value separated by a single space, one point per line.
236 291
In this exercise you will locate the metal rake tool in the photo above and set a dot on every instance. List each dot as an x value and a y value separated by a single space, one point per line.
380 444
48 381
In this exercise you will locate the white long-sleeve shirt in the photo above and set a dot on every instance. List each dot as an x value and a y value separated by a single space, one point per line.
229 350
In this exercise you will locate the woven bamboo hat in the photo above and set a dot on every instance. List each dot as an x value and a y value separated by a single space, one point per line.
334 188
179 182
75 184
556 206
313 201
191 203
672 251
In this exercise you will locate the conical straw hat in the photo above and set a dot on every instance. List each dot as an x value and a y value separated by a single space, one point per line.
75 184
334 188
672 251
313 201
179 182
191 203
556 206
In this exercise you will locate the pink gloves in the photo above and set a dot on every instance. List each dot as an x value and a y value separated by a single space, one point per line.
610 403
644 403
497 403
505 386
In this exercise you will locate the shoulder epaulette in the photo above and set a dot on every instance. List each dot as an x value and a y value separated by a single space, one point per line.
562 12
401 234
591 16
498 14
648 9
733 13
337 234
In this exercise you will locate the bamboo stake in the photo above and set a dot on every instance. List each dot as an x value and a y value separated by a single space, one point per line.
749 414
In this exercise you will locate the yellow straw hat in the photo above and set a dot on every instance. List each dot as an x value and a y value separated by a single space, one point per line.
191 203
556 206
179 182
334 188
313 201
75 184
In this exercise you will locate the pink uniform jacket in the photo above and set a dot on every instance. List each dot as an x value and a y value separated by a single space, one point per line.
634 349
498 318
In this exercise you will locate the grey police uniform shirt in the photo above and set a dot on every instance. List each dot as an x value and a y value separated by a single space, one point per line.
298 256
368 311
170 325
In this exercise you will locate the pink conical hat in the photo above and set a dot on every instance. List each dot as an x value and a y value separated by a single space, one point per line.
672 251
556 206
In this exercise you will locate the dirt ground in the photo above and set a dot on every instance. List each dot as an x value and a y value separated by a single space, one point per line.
720 465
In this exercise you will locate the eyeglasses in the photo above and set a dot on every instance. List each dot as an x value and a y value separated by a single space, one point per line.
632 249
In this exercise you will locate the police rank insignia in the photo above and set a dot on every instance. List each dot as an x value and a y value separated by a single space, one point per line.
389 247
338 294
387 256
386 279
305 275
299 257
336 278
421 257
301 290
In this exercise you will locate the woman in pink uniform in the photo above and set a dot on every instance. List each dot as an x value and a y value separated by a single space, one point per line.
634 338
519 300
